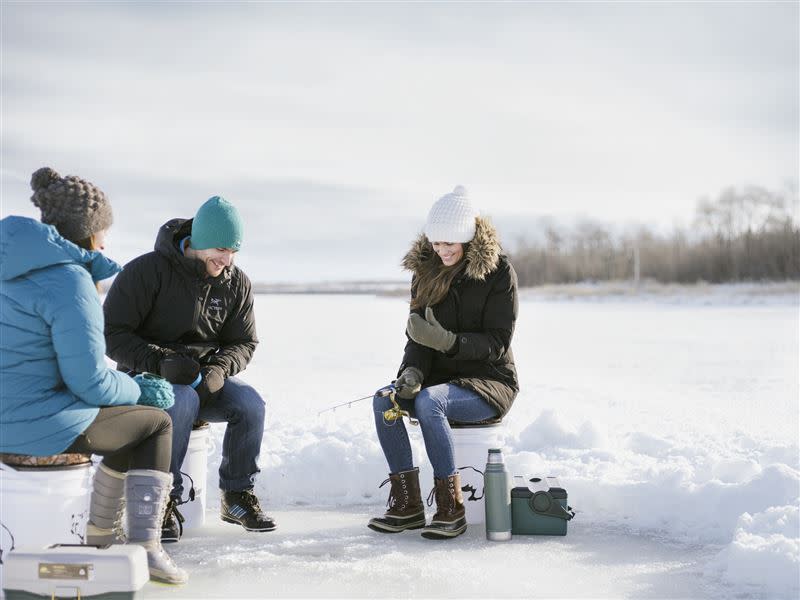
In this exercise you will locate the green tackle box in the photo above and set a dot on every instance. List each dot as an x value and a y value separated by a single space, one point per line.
539 507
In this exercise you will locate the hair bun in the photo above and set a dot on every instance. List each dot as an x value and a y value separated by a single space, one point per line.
42 178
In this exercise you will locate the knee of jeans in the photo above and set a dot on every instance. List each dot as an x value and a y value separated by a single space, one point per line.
187 403
427 406
251 406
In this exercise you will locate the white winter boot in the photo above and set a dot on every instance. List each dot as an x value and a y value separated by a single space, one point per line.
105 506
146 495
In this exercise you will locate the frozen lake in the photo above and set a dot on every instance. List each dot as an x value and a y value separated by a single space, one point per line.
674 428
644 367
672 425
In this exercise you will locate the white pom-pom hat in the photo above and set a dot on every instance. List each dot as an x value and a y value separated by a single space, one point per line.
452 218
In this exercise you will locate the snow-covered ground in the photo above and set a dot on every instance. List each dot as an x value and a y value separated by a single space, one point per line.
673 426
671 420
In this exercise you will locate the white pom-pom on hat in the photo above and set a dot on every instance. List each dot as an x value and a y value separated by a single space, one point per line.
452 218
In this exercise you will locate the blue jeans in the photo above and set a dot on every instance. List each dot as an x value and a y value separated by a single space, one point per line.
242 408
433 406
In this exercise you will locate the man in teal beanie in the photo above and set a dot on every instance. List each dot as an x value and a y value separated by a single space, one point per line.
185 311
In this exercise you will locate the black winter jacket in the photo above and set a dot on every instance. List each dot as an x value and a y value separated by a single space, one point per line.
481 309
164 301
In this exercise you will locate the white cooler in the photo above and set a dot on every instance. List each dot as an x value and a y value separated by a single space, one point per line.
74 571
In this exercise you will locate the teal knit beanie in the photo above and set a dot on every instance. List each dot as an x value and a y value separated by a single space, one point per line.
217 225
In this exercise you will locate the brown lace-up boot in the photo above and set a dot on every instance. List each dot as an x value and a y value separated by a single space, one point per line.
406 510
450 520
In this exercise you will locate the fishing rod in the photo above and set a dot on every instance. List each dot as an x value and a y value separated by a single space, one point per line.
392 414
347 404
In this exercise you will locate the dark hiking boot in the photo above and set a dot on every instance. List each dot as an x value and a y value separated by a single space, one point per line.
406 510
172 527
243 509
449 520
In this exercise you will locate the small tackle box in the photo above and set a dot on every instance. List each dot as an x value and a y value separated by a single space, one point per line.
75 571
539 507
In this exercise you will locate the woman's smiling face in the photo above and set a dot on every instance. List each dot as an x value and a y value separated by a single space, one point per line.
449 253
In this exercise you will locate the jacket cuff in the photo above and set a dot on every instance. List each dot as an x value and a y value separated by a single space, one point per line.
454 349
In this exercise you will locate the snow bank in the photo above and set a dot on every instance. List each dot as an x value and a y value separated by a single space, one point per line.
744 494
764 553
690 491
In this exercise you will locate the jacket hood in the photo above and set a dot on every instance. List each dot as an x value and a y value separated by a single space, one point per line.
27 245
169 236
482 257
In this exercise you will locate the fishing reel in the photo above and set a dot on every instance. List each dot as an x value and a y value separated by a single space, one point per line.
395 412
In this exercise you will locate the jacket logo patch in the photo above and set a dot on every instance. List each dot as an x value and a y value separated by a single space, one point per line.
215 306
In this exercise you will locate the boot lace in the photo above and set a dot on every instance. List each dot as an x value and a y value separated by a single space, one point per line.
172 509
445 499
391 501
119 522
397 491
251 500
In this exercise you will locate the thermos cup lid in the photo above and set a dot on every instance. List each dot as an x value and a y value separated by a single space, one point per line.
494 450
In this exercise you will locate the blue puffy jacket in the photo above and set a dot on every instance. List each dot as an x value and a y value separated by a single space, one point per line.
53 374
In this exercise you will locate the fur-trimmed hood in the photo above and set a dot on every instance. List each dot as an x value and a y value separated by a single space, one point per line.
483 254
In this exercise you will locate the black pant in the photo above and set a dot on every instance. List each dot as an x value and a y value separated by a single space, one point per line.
128 437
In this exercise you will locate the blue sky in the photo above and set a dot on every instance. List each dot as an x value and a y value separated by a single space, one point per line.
334 126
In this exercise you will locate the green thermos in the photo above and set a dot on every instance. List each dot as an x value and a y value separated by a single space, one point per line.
497 500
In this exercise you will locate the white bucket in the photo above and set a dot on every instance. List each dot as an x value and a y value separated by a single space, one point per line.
195 465
44 506
472 445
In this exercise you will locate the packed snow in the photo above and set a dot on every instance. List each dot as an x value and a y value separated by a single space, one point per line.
672 425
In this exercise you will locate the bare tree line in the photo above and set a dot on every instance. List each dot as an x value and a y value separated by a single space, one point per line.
745 234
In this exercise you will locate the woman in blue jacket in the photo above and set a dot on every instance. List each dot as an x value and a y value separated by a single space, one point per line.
57 393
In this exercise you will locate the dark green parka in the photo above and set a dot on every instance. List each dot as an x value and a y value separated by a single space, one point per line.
481 309
163 301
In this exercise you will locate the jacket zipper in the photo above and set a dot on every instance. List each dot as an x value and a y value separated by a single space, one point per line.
457 298
201 302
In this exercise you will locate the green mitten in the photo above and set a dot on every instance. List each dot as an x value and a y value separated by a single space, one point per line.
409 383
428 332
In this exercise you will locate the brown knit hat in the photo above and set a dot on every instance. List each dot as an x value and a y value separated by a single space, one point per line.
76 207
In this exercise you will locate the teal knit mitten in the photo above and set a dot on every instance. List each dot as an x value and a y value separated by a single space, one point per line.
156 391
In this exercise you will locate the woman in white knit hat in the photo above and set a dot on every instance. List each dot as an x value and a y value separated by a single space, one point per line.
458 365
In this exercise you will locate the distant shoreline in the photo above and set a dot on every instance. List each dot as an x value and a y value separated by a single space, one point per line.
390 288
740 292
